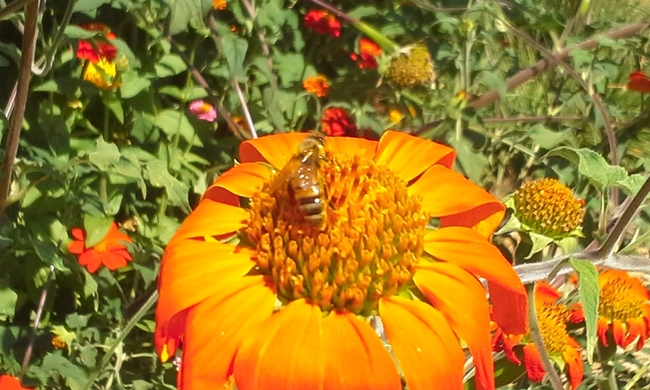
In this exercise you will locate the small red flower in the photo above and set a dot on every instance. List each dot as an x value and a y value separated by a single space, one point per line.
336 122
99 48
8 382
368 51
323 22
110 251
638 82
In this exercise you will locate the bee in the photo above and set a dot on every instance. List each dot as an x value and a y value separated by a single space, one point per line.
303 180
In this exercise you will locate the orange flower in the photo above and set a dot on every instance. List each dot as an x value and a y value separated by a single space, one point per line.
8 382
110 251
323 22
368 50
623 308
103 74
318 85
552 318
219 4
282 302
336 122
97 49
638 82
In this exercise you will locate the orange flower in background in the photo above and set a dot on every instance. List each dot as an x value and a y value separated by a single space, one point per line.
284 302
552 318
219 4
638 82
368 51
395 115
623 308
8 382
318 85
97 48
336 122
110 251
323 22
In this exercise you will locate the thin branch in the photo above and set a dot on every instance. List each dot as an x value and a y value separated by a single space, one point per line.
260 35
244 108
16 122
14 7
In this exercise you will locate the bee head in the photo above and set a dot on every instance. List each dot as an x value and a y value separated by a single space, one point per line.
313 141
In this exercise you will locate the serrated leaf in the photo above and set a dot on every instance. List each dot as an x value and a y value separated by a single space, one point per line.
592 165
75 377
289 68
234 49
173 122
177 191
184 12
96 228
104 155
589 293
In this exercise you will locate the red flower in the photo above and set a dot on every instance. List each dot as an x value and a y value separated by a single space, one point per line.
638 82
8 382
110 251
323 22
336 122
97 49
368 50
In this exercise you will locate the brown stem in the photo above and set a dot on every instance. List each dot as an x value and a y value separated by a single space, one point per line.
16 122
13 7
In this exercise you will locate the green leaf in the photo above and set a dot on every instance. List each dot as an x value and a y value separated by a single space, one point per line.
8 299
76 32
49 253
184 12
592 165
104 154
632 184
539 242
173 122
115 105
88 5
234 49
289 67
96 228
75 377
545 137
170 65
133 84
177 191
589 293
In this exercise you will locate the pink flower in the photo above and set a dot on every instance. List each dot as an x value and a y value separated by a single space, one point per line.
203 110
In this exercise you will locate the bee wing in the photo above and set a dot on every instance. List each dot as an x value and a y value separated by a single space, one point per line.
287 173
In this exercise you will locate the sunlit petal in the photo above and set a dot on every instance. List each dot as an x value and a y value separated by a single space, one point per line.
212 218
353 146
242 180
276 150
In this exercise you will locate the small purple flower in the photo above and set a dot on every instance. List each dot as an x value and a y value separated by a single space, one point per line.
203 110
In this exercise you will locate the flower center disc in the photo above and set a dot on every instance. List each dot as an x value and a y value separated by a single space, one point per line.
552 324
367 247
618 301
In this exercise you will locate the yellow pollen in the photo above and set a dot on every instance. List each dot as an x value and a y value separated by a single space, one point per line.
548 207
367 248
619 301
552 320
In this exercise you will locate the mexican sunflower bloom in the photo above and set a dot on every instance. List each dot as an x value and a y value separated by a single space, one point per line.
8 382
368 51
219 4
336 122
552 318
638 82
624 308
203 110
318 85
110 251
282 304
102 74
97 48
323 22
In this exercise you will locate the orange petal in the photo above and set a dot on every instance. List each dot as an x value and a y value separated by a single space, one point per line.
574 363
469 250
274 149
91 260
212 218
533 362
216 328
76 247
636 329
242 180
485 219
603 326
352 146
423 343
285 352
356 358
460 297
194 270
545 293
509 309
447 193
78 234
619 333
409 156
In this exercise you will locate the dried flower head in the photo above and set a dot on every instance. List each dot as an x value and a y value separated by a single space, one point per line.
412 67
548 207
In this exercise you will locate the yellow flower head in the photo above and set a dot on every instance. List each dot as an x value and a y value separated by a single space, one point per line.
547 207
102 74
395 115
412 67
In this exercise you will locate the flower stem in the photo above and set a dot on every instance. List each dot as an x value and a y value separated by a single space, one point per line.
120 338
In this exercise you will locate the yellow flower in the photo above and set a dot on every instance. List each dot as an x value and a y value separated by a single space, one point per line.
412 67
102 74
58 342
547 207
395 115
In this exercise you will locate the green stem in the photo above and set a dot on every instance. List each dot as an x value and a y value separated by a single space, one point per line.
120 338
